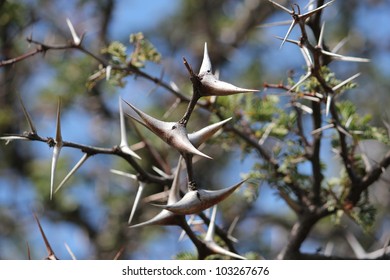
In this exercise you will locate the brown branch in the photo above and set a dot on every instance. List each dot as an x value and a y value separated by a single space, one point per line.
372 176
91 150
300 232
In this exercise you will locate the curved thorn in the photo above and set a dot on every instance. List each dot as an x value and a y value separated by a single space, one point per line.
196 201
212 86
174 134
123 145
199 137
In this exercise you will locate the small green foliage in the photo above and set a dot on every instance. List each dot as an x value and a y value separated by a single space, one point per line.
185 256
143 51
117 51
359 126
364 214
120 60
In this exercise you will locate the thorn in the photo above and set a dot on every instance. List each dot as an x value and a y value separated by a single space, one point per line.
336 56
51 254
108 72
328 102
28 251
343 83
70 251
206 67
199 137
10 138
28 117
211 85
288 33
136 200
321 37
166 217
121 173
231 229
211 244
76 39
74 169
196 201
124 146
174 134
282 7
210 231
318 130
119 253
56 149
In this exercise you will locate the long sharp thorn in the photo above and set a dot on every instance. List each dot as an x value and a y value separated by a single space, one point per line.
174 134
136 201
288 33
199 137
56 149
321 37
196 201
210 230
121 173
345 58
76 38
231 228
209 239
50 252
328 101
339 45
300 81
28 117
310 13
281 7
343 83
124 146
72 255
74 169
355 245
28 251
272 24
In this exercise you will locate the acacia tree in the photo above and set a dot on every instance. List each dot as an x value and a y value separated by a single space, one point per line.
285 125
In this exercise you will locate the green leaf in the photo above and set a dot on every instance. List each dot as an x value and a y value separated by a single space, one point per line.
144 51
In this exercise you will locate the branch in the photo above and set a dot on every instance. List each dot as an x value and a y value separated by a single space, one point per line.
91 150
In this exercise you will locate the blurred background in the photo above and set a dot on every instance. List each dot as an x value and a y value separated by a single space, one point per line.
90 213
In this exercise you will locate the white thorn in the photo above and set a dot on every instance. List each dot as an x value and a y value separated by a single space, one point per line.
76 38
124 146
74 169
